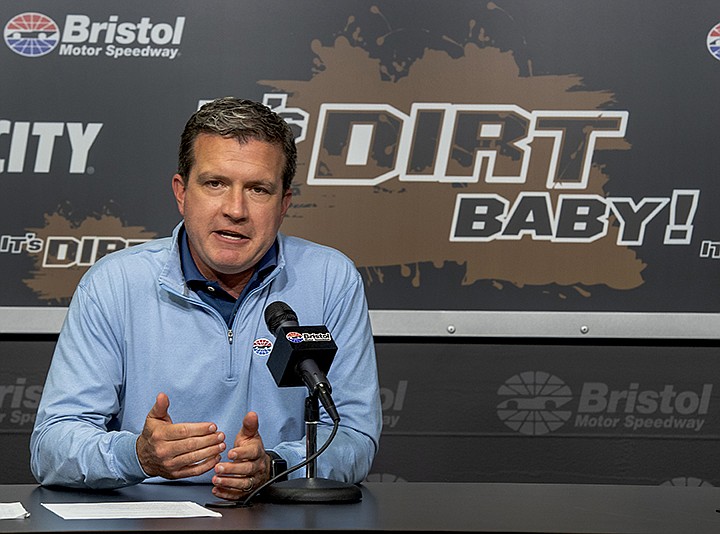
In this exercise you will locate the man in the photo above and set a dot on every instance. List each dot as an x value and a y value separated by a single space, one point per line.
160 369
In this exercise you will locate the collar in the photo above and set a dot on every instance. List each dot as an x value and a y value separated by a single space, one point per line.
194 278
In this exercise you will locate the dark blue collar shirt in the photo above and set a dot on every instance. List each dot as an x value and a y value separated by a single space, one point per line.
210 292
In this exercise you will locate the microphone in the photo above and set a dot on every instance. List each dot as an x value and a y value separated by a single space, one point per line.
301 355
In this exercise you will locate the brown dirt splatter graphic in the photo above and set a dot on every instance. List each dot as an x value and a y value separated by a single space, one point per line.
57 285
408 223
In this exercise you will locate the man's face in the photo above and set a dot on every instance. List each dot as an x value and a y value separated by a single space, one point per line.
233 203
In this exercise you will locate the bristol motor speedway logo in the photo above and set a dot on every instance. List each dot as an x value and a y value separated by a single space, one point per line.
294 337
18 405
262 346
31 34
297 337
35 34
537 402
534 402
713 41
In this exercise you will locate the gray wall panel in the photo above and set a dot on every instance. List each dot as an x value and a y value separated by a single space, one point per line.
486 411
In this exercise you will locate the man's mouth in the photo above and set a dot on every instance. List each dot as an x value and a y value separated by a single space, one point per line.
231 235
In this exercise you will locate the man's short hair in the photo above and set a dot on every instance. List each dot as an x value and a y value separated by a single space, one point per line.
243 120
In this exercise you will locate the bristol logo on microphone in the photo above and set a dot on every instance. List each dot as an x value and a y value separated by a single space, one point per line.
297 337
294 337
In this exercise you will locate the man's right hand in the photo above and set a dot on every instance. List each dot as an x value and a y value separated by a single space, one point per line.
177 450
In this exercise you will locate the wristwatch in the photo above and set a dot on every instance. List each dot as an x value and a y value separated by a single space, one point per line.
277 465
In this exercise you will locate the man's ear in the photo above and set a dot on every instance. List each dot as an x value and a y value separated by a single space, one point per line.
178 187
287 197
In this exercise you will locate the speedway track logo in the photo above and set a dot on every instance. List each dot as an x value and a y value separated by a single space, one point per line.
713 41
536 403
19 405
31 34
35 34
297 337
294 337
262 346
533 402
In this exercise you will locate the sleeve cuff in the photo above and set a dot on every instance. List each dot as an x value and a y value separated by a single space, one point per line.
128 463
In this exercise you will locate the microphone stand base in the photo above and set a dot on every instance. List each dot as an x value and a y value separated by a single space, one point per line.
311 490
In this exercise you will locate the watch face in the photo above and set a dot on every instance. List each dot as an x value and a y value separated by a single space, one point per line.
277 466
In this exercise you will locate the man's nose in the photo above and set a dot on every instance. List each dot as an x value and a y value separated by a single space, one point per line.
235 204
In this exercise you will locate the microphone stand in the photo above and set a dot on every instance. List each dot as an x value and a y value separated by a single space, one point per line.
311 489
312 416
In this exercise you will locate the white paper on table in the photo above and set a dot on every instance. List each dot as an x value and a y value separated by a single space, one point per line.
13 510
129 510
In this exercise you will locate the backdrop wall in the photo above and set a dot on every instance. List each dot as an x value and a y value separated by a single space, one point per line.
527 188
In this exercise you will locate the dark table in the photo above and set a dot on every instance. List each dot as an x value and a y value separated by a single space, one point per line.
405 507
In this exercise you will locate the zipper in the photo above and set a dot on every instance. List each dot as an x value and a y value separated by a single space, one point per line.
230 332
213 311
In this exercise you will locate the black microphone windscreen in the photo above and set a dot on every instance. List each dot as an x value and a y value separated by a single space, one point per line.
278 313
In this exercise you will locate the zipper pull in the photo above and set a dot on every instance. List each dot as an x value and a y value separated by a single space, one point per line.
230 336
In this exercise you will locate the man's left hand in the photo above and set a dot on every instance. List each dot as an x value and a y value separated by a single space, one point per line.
249 465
